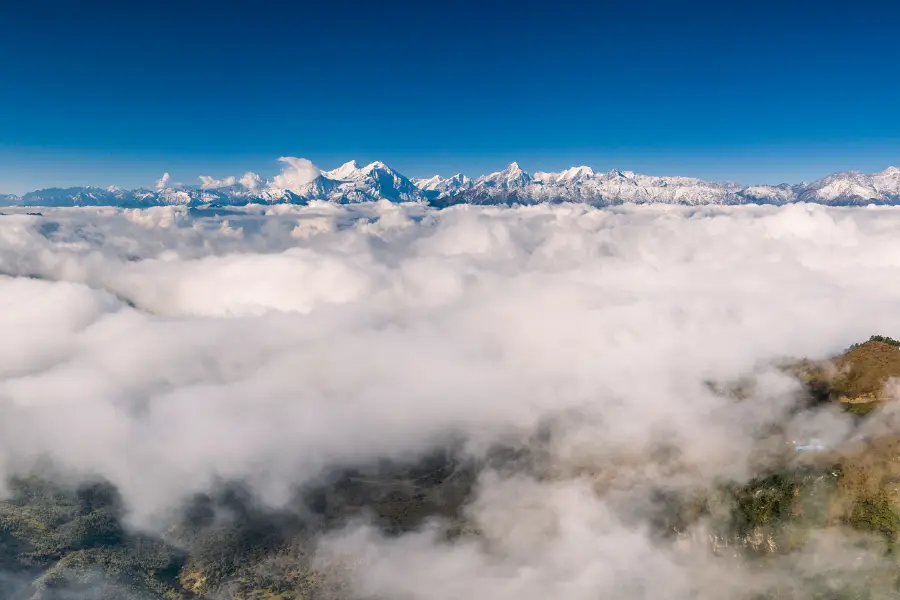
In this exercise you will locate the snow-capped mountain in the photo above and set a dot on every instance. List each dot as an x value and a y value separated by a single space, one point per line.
861 188
583 185
301 182
375 181
575 174
436 186
9 200
509 178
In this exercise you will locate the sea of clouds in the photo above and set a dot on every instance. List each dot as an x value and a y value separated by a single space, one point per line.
167 349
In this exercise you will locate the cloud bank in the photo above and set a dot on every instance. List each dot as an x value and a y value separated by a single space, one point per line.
165 350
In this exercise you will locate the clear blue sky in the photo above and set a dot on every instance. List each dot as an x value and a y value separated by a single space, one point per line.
115 92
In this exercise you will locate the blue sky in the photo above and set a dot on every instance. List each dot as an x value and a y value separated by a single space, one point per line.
103 92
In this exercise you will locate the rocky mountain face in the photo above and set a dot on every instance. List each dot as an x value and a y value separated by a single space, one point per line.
352 183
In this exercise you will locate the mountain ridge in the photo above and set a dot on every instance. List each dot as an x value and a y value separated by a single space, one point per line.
301 182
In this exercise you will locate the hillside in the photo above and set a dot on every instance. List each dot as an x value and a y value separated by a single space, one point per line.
860 378
60 541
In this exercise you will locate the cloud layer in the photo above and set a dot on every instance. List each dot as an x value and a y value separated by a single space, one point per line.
165 349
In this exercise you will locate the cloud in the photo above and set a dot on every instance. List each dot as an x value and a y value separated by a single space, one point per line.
297 173
251 181
209 183
166 351
163 182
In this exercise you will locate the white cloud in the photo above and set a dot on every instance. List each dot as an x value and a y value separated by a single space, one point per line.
251 181
272 341
163 181
210 183
297 173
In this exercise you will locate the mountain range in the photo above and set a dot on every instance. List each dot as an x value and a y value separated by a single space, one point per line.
302 183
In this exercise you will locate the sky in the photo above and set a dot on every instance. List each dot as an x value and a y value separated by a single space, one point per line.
115 93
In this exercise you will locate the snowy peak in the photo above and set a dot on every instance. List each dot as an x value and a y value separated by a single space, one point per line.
853 187
888 181
440 184
511 177
459 181
428 183
348 170
376 166
573 174
515 172
617 174
577 174
374 181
